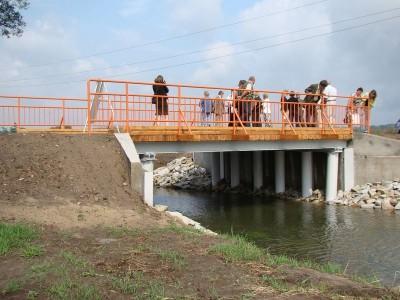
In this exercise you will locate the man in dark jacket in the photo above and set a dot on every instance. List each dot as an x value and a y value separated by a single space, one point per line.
314 93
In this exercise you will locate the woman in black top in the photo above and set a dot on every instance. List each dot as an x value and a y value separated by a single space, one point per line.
161 102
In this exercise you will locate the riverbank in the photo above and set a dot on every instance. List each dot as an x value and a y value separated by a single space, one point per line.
71 229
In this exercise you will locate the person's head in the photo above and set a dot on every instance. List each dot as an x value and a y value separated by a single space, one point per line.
373 94
265 96
220 93
242 84
292 94
206 94
252 79
359 91
159 79
323 84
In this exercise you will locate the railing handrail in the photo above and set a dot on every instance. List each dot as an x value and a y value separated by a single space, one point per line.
214 88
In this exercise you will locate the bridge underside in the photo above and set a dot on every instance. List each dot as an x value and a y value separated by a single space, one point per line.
211 139
199 134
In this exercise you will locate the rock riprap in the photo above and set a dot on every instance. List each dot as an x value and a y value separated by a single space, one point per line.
182 173
379 195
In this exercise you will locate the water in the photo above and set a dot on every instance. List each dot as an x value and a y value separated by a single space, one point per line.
366 241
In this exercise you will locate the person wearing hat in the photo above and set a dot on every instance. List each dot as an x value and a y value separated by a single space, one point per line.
313 96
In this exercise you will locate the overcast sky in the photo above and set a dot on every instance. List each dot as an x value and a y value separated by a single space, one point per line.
61 36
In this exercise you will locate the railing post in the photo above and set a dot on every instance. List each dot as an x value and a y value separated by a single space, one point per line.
283 113
126 107
234 111
89 125
179 109
19 113
63 113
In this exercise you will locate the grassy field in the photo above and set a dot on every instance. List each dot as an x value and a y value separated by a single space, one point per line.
171 262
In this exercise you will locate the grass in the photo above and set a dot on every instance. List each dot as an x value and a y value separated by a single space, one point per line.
125 285
68 289
122 231
237 248
30 251
74 260
173 257
12 286
15 236
277 284
135 285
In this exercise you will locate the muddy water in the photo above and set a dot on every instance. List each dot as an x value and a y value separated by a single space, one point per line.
366 241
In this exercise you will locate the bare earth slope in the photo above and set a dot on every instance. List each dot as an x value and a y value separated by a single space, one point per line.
66 180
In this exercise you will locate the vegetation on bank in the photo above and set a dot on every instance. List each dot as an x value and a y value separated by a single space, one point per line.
171 262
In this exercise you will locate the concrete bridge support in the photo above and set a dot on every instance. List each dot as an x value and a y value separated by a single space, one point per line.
215 168
306 174
348 168
235 175
257 170
279 172
221 166
332 176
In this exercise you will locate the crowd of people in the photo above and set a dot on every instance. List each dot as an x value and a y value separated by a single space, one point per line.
309 109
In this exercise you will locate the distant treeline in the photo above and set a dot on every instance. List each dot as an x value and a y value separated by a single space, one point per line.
387 128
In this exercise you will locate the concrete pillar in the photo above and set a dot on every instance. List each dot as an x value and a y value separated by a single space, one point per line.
332 176
247 171
215 171
306 174
235 179
148 165
221 166
348 168
279 172
257 170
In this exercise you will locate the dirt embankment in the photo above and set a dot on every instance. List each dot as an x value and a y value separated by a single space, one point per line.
67 180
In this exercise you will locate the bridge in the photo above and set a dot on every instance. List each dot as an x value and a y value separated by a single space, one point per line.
233 130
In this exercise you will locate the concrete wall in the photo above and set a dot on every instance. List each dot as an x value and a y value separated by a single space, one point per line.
376 158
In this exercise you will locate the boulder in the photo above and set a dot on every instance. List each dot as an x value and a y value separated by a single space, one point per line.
386 205
160 207
397 206
370 206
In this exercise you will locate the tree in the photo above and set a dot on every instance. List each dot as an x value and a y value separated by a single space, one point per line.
11 21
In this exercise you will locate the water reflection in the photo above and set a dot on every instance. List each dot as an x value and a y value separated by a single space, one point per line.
368 241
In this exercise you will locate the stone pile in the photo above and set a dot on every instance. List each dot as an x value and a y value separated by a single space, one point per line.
182 173
379 195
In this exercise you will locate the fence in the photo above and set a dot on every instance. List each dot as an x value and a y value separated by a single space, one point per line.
122 105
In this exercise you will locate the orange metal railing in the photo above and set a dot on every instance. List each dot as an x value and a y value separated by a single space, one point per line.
125 104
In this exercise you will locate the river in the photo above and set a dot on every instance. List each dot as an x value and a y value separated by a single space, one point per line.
366 241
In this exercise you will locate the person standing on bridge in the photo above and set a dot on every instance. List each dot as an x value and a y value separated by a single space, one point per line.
219 108
247 98
330 100
207 107
312 98
160 99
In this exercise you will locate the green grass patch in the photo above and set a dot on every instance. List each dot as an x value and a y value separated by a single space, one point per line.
135 285
173 257
182 230
276 283
277 260
11 287
74 260
125 285
237 248
32 295
68 289
14 236
30 251
122 231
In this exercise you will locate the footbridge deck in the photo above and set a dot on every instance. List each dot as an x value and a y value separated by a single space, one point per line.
185 114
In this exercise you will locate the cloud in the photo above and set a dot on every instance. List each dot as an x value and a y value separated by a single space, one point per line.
133 7
188 15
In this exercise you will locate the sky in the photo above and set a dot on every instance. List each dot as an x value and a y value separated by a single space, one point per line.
286 44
